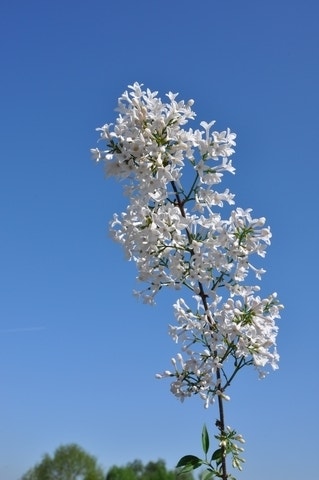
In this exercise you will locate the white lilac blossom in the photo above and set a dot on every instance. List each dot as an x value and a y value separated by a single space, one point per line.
178 237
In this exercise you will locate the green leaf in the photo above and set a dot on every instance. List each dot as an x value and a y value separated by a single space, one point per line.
189 463
217 456
207 475
205 440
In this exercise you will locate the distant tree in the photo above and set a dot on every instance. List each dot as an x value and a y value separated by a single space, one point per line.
157 471
121 473
69 462
151 471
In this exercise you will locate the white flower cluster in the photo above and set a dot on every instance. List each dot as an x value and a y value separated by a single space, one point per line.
177 238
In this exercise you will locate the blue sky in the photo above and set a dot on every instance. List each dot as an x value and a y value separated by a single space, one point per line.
78 352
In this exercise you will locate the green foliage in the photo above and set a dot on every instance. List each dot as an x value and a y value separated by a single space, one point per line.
228 440
151 471
189 463
205 440
69 462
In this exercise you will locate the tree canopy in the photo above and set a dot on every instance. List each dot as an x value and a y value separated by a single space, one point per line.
151 471
69 462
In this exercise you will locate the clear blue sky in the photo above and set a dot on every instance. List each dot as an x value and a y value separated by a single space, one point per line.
78 352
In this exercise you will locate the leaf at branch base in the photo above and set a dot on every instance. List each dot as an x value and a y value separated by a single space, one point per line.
207 475
189 463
